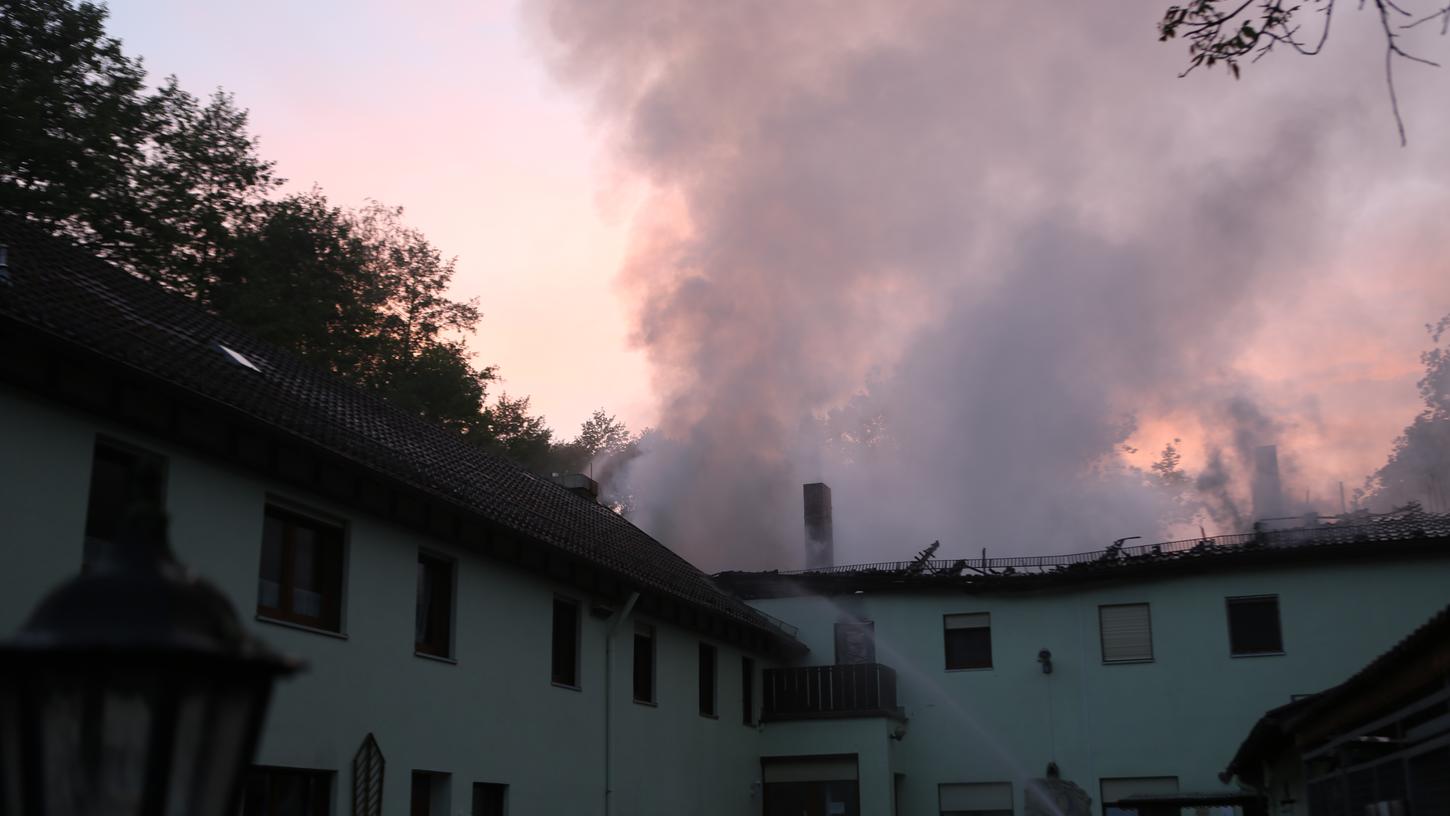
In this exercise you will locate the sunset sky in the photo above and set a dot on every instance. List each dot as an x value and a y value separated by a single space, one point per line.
450 115
726 220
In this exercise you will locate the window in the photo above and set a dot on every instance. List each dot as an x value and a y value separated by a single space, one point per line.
747 691
489 799
975 799
301 575
433 621
566 643
430 794
968 641
1253 626
286 792
116 470
644 664
707 680
1127 633
1114 791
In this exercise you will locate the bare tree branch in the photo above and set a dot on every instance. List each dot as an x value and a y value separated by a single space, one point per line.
1217 35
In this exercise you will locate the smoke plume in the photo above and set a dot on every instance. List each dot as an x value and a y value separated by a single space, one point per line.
950 257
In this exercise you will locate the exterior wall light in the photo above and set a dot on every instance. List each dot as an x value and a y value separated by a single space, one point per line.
132 689
1045 658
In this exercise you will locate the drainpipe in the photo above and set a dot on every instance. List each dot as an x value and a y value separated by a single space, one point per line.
614 625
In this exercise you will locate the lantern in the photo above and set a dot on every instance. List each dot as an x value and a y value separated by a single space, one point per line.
133 689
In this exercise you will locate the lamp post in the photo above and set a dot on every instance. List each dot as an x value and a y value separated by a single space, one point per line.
132 690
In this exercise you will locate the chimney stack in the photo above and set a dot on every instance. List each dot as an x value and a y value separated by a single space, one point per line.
1267 490
820 545
579 485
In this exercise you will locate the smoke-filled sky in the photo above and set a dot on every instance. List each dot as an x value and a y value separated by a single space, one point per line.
1019 242
949 257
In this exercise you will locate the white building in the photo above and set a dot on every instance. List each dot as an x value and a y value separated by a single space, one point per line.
483 641
506 642
1136 674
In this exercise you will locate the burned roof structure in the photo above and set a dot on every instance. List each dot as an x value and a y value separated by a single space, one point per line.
82 332
1356 536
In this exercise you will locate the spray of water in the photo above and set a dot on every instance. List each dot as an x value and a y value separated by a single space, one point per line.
929 692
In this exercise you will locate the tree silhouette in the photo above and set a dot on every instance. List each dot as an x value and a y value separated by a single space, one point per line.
1226 31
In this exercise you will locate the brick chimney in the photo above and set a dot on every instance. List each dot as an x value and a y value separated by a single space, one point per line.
820 545
579 484
1268 491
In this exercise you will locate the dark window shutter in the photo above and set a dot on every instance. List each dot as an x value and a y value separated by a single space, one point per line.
367 779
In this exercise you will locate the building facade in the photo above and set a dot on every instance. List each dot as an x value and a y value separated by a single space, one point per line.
483 641
1136 677
479 640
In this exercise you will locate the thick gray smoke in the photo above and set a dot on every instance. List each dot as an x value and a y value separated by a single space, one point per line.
946 255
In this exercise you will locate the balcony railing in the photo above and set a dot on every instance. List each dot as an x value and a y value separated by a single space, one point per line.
854 690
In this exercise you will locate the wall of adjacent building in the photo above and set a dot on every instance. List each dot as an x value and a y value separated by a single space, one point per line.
1183 714
491 716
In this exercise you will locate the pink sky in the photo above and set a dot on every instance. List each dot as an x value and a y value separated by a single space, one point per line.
449 115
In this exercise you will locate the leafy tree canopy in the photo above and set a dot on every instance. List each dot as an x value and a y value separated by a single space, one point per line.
1418 469
173 189
155 181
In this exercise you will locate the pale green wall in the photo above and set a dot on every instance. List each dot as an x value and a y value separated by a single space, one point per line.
492 717
1184 714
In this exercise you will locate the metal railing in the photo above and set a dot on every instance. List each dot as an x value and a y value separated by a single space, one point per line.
1388 530
780 625
803 692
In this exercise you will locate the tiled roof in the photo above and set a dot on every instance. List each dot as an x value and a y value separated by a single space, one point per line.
64 291
1356 535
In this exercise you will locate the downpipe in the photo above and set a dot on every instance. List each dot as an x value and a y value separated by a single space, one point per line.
619 619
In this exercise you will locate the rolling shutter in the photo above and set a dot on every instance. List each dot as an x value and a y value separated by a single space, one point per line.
1127 633
1115 790
976 796
975 620
839 768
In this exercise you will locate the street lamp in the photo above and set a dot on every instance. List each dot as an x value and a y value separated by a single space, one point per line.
133 689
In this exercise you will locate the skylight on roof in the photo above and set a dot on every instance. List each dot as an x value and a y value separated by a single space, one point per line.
238 358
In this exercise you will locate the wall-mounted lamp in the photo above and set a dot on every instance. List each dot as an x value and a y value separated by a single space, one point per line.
1045 658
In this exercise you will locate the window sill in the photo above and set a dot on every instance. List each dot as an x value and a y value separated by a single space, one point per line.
302 626
565 686
439 658
1257 654
969 669
1133 662
709 716
650 703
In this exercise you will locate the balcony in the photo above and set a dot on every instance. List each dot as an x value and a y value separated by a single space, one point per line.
818 692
